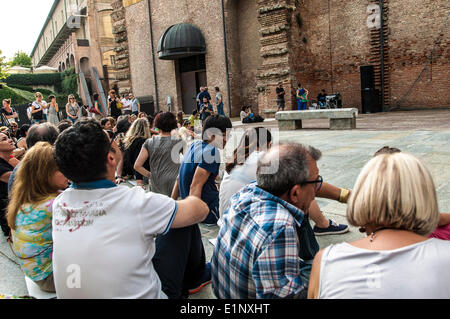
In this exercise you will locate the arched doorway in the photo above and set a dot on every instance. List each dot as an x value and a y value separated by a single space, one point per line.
63 67
184 43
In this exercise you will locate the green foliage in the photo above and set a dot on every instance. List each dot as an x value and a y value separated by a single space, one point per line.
35 79
13 94
21 87
21 59
69 84
3 66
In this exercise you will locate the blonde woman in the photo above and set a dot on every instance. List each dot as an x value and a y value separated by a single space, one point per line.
29 213
136 136
394 202
72 108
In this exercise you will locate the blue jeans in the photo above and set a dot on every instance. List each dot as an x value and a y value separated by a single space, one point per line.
220 109
301 106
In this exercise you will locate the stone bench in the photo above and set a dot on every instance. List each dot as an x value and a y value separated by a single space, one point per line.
269 112
340 119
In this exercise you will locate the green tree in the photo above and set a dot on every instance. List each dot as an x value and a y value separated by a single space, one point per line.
21 59
3 67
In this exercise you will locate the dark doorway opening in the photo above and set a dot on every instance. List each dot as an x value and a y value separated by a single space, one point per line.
193 76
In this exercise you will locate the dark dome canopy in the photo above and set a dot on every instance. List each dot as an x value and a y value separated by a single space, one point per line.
181 40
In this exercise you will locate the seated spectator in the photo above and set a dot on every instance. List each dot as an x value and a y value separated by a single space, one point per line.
198 171
443 229
185 133
106 123
241 170
142 115
135 137
394 201
266 245
22 135
44 132
6 168
30 213
155 158
247 115
322 99
122 222
63 125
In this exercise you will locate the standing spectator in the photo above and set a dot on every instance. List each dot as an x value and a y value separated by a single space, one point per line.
266 245
37 110
9 112
6 168
72 108
112 104
197 98
188 273
394 202
206 109
302 98
53 111
280 97
98 113
126 109
219 102
135 105
124 243
322 99
30 213
161 152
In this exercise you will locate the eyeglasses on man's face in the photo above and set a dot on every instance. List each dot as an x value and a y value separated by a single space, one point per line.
317 183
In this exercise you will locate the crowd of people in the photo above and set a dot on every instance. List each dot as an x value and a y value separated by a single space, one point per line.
68 210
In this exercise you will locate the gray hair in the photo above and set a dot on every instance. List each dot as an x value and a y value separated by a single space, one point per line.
291 160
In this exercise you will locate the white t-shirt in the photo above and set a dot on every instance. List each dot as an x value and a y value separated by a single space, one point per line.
126 104
104 242
240 176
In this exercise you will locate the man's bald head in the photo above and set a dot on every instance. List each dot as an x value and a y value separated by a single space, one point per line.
44 132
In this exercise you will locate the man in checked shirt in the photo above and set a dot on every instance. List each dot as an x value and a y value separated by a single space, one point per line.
266 245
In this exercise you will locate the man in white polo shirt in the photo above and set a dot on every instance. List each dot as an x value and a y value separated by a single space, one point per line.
103 234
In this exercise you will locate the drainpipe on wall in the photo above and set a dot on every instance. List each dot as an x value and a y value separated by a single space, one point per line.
153 56
226 57
382 56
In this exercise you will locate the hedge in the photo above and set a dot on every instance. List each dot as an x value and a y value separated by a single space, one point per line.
8 93
36 79
30 89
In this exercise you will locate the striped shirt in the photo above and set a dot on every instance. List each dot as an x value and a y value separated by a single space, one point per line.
257 250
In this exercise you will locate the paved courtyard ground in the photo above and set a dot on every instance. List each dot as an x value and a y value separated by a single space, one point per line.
426 134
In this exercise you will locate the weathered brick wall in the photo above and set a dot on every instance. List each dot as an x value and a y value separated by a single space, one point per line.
328 46
414 28
243 51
